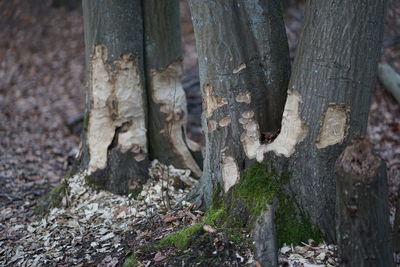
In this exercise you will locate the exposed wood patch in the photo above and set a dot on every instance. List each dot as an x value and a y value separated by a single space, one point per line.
243 97
250 138
212 102
334 125
230 172
239 68
293 130
168 92
117 102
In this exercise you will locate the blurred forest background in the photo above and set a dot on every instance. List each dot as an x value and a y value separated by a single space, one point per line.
42 93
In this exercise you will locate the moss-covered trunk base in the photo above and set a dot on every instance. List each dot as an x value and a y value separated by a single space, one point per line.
236 213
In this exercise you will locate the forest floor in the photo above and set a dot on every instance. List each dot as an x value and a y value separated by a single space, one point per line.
42 87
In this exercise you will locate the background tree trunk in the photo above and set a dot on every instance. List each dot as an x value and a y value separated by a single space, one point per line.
244 71
362 223
167 99
329 97
114 140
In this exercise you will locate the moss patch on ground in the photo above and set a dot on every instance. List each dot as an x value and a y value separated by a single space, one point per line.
52 199
130 261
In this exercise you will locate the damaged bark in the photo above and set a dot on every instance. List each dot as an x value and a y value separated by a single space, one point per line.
363 229
168 141
333 78
114 143
244 76
244 72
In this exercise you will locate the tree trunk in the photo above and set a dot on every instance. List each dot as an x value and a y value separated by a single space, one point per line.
244 71
114 140
362 223
167 99
328 98
396 228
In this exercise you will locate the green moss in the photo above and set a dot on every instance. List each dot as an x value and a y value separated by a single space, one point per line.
135 192
130 261
52 199
259 184
181 238
293 226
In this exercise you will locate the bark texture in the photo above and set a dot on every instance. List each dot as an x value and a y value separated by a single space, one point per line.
264 235
167 99
328 99
396 229
114 139
363 229
244 71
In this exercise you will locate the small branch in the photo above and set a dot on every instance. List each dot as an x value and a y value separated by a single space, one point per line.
390 79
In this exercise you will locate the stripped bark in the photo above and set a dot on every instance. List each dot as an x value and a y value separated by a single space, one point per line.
167 100
362 223
114 145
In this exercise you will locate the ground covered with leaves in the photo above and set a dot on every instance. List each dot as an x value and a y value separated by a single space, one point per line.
42 88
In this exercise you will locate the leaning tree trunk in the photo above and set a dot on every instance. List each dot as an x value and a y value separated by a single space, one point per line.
167 100
114 141
329 97
244 72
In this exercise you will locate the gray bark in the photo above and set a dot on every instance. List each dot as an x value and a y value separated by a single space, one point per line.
363 229
244 71
167 101
264 236
396 229
114 58
334 73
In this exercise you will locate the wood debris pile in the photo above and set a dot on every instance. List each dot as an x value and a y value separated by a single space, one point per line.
90 224
313 254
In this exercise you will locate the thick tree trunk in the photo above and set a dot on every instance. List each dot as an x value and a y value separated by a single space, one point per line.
363 229
244 71
167 100
328 99
114 140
